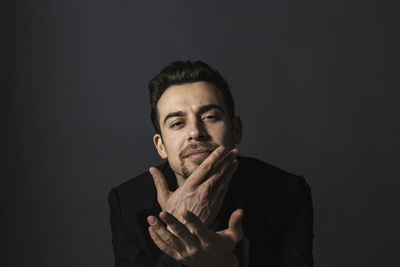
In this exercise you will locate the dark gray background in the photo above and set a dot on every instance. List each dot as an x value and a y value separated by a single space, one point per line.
315 82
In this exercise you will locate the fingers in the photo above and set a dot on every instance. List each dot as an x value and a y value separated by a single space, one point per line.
164 239
221 177
224 169
205 167
178 228
194 224
227 157
214 161
235 230
161 185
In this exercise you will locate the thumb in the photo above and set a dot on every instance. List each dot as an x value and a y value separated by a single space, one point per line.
161 185
235 225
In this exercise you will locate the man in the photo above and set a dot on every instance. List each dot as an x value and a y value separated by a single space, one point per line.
207 206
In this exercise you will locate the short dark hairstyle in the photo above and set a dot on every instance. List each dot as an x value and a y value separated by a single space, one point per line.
181 72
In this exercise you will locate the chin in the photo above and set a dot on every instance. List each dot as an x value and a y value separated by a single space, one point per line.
188 166
188 169
198 161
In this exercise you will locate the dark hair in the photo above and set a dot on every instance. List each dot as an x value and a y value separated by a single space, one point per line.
180 72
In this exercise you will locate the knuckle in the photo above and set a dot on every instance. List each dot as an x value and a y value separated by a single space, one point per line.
168 241
205 192
190 187
194 253
216 156
207 167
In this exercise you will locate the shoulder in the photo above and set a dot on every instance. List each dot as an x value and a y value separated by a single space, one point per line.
259 178
266 171
276 195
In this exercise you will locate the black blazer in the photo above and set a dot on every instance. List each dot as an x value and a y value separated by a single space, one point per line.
277 222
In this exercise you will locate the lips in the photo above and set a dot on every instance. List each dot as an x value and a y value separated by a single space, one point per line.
197 153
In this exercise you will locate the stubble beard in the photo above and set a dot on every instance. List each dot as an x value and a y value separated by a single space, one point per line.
186 172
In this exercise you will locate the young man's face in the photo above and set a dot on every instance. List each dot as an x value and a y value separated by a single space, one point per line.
193 121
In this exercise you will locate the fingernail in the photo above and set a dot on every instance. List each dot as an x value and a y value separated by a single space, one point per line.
235 152
151 172
152 220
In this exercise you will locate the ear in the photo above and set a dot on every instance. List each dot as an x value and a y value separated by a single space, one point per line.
237 129
158 143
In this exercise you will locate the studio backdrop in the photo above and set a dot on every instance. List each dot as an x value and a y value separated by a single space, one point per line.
316 84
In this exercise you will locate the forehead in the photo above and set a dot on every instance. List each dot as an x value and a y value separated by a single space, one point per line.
189 97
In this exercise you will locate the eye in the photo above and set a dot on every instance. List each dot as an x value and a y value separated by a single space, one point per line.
176 124
209 118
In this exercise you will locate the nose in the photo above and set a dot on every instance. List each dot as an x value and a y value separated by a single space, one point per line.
197 131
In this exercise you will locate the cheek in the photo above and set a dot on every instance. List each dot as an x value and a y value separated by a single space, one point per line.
172 146
221 134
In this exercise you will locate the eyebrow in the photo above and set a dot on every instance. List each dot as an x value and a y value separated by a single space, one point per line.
173 114
209 107
201 110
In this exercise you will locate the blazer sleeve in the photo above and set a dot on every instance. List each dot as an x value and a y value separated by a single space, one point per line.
127 251
296 245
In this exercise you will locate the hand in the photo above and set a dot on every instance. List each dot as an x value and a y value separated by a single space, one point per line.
203 191
194 244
